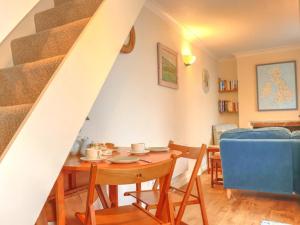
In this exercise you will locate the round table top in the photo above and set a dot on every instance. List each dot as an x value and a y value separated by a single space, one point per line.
74 163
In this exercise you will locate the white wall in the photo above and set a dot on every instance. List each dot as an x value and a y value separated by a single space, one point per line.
11 13
22 28
246 65
132 107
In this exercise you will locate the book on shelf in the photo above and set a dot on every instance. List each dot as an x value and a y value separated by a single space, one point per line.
228 106
228 85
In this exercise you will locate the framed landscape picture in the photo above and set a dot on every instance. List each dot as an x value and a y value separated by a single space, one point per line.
167 67
277 86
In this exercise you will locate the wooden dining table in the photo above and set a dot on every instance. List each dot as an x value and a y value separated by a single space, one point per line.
74 164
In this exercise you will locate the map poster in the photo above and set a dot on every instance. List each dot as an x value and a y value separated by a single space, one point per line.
277 86
167 67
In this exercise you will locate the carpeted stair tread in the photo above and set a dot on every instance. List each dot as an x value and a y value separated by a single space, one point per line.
46 44
11 118
37 57
22 84
60 2
65 13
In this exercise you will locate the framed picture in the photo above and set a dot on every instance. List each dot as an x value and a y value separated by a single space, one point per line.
277 86
167 67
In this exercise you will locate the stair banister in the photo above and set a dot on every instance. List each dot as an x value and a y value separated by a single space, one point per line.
37 152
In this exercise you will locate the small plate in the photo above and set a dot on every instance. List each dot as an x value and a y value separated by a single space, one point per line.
91 160
139 153
124 159
158 149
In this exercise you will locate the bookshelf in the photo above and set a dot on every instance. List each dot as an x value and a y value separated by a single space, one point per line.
228 85
228 91
226 105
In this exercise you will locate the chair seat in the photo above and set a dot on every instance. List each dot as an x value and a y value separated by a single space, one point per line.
122 216
150 198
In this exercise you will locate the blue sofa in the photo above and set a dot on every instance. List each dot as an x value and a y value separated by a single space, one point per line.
262 160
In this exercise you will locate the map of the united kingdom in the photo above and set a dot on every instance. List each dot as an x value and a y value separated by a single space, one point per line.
276 87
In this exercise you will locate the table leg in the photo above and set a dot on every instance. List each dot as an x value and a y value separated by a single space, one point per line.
102 194
59 200
42 219
212 173
207 159
216 163
138 190
113 195
163 214
72 180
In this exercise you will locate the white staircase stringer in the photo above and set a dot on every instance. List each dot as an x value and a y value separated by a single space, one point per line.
35 156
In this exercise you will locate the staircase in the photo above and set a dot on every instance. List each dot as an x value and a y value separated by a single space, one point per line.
46 96
36 57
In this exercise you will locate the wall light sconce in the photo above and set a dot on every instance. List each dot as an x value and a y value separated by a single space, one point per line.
189 59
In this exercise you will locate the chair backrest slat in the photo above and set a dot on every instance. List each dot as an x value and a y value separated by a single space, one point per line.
187 152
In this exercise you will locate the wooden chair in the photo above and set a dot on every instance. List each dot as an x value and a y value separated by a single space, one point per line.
73 189
179 197
131 214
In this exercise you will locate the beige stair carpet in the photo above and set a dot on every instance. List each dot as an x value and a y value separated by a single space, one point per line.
36 57
11 118
22 84
65 13
59 2
45 44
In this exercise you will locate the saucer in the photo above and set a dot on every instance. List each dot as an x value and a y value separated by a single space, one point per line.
139 153
158 149
124 159
84 158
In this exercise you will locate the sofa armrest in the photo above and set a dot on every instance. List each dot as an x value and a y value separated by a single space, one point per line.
296 165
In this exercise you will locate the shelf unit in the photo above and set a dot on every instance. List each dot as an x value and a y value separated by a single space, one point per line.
227 86
228 91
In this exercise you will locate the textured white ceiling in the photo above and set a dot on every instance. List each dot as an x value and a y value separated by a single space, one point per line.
229 26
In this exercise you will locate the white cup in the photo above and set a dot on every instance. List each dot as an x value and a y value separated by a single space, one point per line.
92 153
140 147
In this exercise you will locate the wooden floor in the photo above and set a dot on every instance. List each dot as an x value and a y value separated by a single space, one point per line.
245 208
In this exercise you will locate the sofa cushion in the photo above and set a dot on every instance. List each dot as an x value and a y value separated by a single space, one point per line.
261 133
295 134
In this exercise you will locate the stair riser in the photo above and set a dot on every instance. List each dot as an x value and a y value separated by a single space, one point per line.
64 14
23 84
46 44
60 2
